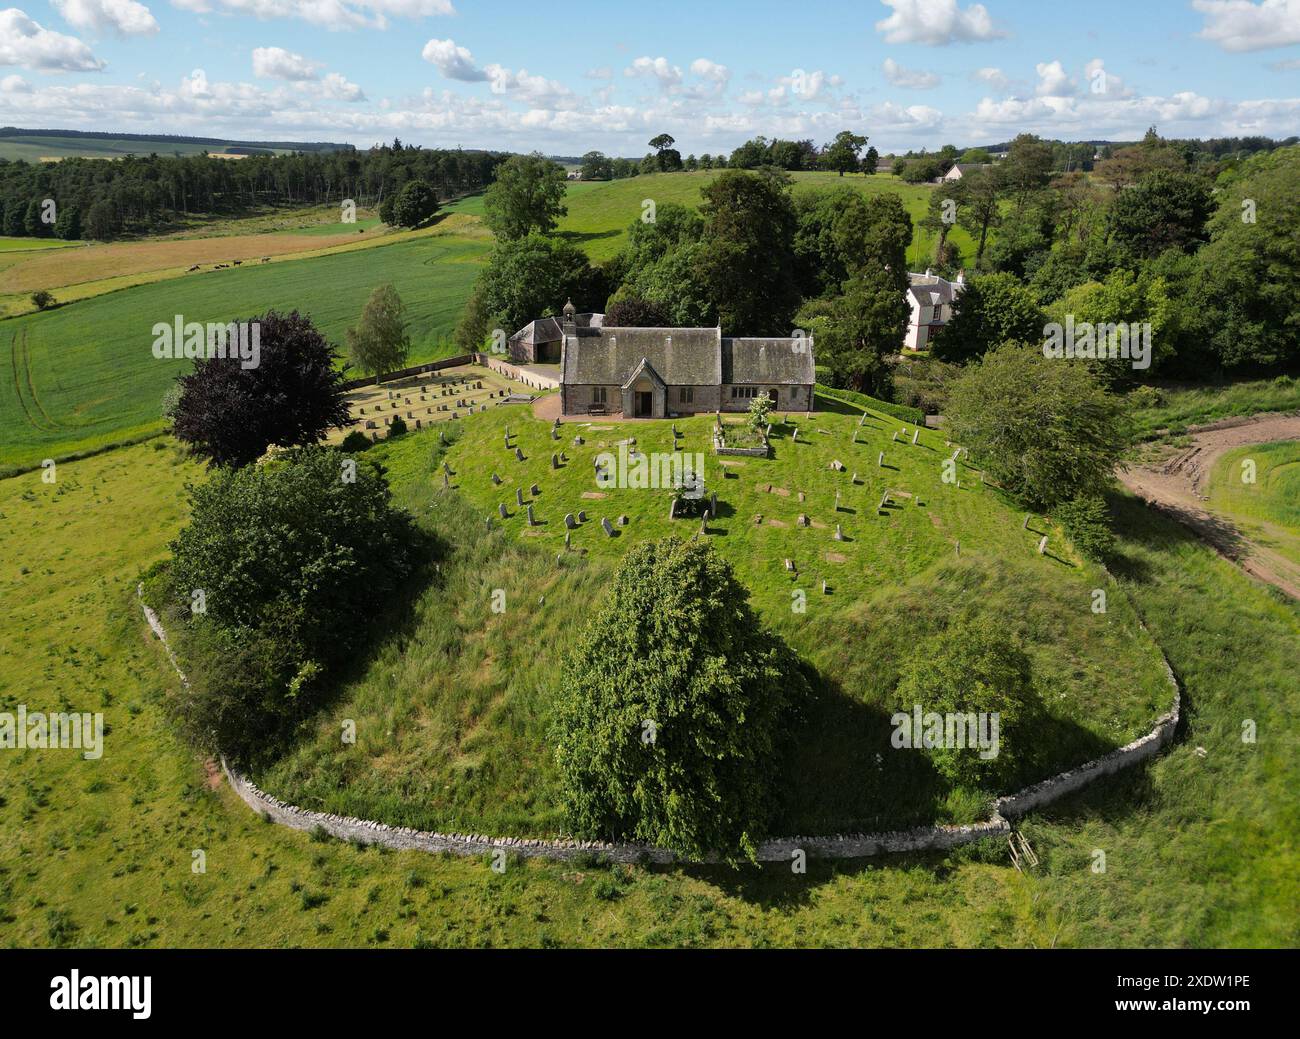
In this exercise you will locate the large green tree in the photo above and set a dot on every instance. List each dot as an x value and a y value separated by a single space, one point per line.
675 707
379 342
1043 428
991 310
527 196
1166 209
414 204
748 261
860 330
841 155
532 277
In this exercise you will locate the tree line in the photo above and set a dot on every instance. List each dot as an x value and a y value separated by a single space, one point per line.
102 200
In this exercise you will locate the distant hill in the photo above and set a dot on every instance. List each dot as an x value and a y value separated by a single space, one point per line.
52 145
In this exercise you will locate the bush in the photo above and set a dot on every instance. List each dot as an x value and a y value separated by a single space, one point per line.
898 411
287 555
974 668
397 428
675 708
1087 521
42 299
355 442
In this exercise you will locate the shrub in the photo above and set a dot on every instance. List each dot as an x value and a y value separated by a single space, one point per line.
1087 521
675 708
397 428
974 668
355 442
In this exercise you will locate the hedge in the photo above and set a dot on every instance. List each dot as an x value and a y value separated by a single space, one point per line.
899 411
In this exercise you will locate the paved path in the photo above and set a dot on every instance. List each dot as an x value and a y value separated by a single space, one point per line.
1177 487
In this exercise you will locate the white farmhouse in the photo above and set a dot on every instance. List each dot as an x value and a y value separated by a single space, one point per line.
931 299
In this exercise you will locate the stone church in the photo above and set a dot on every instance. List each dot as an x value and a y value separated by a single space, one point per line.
662 372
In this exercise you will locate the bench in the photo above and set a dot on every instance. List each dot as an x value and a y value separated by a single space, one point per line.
596 409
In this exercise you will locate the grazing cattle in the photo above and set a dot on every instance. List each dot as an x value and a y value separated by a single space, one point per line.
266 259
238 262
194 268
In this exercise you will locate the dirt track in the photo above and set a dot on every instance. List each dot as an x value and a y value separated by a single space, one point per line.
1176 487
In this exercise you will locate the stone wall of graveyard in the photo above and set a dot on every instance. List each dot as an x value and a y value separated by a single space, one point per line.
536 380
839 846
406 373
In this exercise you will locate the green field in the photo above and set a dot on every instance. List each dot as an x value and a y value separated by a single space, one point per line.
22 245
600 212
1269 508
84 375
1182 407
1200 848
452 713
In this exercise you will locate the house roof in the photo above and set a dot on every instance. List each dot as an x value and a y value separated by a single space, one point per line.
548 330
647 369
782 361
680 356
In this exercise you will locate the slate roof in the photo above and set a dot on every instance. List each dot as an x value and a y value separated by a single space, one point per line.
606 356
548 330
781 361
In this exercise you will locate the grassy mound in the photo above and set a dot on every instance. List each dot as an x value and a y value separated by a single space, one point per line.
453 710
1270 507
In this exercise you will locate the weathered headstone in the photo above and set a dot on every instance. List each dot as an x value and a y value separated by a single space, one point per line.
880 460
1042 545
501 511
606 526
582 515
1025 525
555 461
569 522
534 490
567 539
915 433
495 478
519 496
532 522
789 565
839 534
519 455
803 520
622 521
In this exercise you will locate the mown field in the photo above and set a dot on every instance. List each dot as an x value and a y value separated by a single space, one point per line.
85 375
600 212
1269 508
452 713
1200 848
22 245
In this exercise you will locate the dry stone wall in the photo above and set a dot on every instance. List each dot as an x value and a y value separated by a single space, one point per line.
839 846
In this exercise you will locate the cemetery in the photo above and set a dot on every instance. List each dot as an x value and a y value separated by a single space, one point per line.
855 541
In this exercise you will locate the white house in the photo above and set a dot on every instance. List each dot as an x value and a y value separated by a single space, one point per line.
960 170
931 299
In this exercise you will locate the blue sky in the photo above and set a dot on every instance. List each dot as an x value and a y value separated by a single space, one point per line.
566 77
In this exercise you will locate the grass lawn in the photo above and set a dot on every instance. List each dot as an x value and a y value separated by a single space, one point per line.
453 709
1200 850
84 375
1198 405
600 212
1269 508
22 245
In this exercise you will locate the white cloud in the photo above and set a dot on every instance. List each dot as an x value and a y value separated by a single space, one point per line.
15 85
911 79
1239 25
329 14
29 45
711 70
337 87
905 117
992 77
1053 80
1289 65
661 69
278 63
124 17
453 61
936 23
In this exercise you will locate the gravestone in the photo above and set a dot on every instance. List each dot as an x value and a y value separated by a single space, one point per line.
826 589
1025 525
713 505
884 500
622 521
606 526
789 565
803 520
496 479
801 495
535 491
519 496
880 460
895 437
915 433
446 468
567 539
501 511
555 433
569 521
446 481
519 455
839 534
956 545
555 461
582 515
1042 545
532 522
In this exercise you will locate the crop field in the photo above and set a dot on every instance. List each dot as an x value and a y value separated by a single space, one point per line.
600 212
452 713
51 147
81 376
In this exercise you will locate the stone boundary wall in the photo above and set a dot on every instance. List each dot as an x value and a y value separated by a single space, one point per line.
839 846
406 373
536 380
